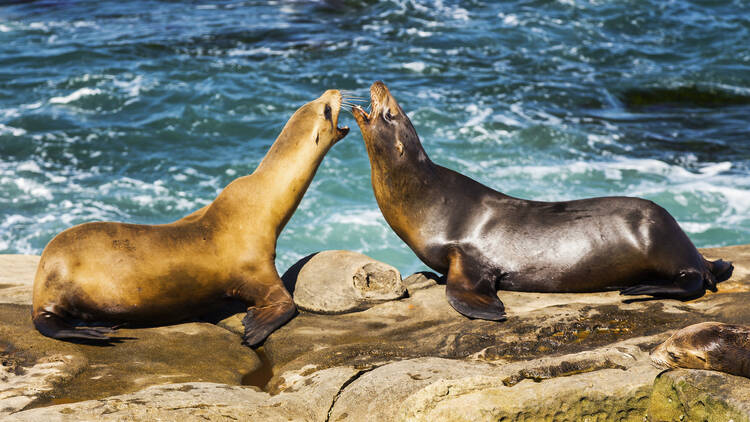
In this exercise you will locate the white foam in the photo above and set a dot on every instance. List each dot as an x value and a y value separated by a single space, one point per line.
15 131
415 66
29 166
510 20
714 169
132 87
692 227
31 188
418 32
32 106
674 173
358 217
479 115
13 220
254 51
75 96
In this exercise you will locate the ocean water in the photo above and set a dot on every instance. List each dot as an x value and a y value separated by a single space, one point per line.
142 111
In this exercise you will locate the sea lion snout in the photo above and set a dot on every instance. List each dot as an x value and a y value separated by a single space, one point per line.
383 101
331 101
707 345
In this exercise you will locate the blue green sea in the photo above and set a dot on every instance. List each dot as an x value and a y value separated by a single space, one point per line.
142 111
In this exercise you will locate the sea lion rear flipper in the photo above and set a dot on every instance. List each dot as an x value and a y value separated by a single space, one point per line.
687 286
54 326
721 269
471 294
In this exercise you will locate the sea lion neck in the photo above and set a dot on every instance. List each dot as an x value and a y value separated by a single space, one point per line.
278 184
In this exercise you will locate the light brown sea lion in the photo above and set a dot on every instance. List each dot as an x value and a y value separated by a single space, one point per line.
117 273
483 239
708 345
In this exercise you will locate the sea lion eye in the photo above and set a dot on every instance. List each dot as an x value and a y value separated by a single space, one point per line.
387 115
328 112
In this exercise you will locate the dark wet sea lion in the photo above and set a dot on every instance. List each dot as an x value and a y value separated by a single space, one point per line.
708 345
117 273
484 240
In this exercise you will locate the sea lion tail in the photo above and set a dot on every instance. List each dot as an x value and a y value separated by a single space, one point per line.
54 326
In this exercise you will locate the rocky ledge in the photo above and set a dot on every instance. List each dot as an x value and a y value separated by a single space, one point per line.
379 354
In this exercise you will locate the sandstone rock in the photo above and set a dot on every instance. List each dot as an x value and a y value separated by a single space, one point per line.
697 395
309 398
539 324
422 280
335 282
17 277
444 389
564 356
38 370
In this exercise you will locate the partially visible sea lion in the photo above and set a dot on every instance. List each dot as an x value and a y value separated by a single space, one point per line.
708 345
117 273
484 240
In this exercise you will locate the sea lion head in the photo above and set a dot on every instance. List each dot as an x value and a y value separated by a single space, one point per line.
387 131
320 117
690 347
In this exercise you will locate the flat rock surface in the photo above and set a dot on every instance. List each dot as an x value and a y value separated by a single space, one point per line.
309 399
431 389
38 370
17 277
580 355
539 324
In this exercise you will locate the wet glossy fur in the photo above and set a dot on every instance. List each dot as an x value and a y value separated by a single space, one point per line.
484 240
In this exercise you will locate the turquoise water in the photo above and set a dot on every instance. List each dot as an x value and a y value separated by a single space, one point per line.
142 111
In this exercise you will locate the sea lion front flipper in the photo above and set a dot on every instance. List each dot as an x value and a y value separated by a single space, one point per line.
261 321
470 293
271 307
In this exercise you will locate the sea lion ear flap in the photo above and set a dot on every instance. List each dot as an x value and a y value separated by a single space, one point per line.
399 147
317 138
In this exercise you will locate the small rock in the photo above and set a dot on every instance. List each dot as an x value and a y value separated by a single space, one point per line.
336 282
421 280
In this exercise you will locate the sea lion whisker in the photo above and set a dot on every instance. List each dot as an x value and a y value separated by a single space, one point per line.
357 99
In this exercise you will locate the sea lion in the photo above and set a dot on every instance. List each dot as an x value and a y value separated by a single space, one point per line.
484 240
116 273
708 345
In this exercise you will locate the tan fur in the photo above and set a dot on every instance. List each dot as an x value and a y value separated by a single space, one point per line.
708 345
159 274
